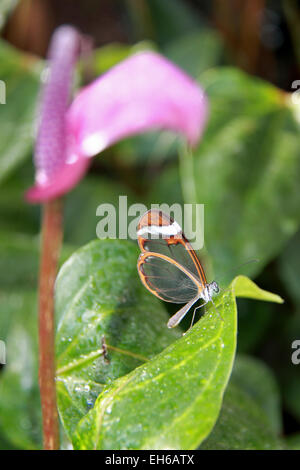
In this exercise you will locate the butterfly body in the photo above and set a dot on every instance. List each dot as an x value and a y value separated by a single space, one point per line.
168 266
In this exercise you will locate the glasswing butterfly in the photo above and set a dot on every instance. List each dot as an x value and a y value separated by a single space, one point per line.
168 266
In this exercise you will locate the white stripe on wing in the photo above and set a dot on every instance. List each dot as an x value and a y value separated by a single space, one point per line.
173 229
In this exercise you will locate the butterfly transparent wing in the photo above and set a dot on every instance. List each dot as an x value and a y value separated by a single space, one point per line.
176 251
165 280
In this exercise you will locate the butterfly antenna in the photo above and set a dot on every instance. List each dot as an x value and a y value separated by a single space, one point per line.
235 268
254 260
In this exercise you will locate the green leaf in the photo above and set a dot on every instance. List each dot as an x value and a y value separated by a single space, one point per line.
242 425
98 295
6 7
19 73
246 170
256 379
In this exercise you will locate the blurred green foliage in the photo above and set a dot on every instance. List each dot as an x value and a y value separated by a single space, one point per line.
246 170
20 76
6 7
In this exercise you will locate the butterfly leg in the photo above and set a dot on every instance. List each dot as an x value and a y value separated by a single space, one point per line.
193 318
202 305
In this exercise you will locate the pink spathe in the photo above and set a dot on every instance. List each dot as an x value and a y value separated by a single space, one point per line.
144 92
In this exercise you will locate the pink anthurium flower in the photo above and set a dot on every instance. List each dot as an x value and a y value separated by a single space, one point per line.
144 92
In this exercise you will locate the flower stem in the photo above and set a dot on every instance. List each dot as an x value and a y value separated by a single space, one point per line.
50 250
